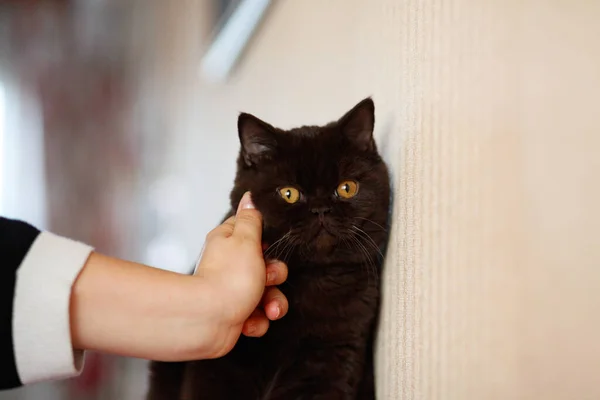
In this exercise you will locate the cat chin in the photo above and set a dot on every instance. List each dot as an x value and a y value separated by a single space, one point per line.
324 243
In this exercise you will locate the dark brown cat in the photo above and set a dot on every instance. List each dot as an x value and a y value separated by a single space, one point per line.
324 195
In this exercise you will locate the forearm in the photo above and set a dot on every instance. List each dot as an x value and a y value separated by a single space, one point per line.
130 309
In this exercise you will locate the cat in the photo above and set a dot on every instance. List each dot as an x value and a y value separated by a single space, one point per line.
324 194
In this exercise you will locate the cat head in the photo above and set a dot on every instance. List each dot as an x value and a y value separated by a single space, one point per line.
323 191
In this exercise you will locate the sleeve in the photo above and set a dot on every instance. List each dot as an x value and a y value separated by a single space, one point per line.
37 272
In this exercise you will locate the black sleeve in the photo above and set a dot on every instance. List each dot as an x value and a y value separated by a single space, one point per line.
16 238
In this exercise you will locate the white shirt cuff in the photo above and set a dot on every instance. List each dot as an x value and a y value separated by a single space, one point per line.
41 321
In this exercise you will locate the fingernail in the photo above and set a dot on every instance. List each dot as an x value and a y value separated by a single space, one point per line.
277 312
271 276
250 329
246 202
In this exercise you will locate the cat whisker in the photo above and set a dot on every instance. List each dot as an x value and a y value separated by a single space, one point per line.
291 248
371 266
350 247
276 242
287 249
370 240
281 249
373 222
275 246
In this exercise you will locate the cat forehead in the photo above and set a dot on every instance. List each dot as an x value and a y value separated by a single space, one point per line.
311 145
314 155
310 137
307 131
315 161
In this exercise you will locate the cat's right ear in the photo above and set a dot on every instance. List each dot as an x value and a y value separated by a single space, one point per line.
257 139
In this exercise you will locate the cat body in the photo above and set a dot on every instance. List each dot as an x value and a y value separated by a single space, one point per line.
324 196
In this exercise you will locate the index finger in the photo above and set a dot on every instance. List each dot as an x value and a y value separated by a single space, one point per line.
248 221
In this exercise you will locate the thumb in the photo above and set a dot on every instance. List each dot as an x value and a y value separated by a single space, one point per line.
248 221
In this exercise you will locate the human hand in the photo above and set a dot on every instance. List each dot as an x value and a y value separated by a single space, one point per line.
243 289
131 309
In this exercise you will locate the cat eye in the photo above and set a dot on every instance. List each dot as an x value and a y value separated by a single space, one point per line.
347 189
289 194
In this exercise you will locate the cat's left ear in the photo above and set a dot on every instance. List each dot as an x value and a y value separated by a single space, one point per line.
358 124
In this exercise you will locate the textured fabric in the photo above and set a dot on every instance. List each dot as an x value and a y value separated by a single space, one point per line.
41 322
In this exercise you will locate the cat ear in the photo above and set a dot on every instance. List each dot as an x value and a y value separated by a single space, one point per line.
256 137
358 124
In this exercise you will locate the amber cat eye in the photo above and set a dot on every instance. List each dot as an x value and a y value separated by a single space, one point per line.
289 194
347 189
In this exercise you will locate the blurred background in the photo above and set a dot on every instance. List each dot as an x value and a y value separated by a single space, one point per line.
98 103
118 125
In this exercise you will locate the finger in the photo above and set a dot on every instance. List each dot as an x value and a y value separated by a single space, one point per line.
275 303
276 273
256 325
248 221
223 230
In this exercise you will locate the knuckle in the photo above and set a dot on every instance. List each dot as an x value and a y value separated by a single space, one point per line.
214 235
215 241
210 236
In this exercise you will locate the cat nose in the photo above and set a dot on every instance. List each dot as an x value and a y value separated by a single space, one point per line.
320 210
